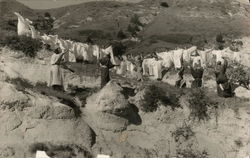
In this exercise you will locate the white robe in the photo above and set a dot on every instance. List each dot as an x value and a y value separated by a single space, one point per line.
56 72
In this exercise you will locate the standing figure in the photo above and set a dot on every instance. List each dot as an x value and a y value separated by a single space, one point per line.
180 82
139 70
197 73
105 64
56 72
224 88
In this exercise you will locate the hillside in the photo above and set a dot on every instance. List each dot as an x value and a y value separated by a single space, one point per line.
10 6
182 22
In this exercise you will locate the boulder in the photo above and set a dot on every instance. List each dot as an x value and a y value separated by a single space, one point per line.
110 109
42 107
61 132
51 111
11 98
109 100
242 92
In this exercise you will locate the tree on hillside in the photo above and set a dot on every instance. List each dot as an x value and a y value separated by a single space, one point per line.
121 35
45 23
135 20
133 29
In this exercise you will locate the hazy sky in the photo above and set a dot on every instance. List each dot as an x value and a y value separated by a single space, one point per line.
45 4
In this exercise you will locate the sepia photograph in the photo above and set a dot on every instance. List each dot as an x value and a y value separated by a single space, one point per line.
124 78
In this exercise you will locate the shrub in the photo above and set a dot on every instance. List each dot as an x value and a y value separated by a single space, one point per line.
164 4
118 49
25 44
191 153
238 75
183 132
135 20
154 96
133 29
198 104
121 35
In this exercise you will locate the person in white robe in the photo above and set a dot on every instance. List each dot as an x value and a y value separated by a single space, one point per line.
56 72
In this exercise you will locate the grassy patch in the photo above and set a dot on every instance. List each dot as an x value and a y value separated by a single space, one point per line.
174 38
25 44
99 34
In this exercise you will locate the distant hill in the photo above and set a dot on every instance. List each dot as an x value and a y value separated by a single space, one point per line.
7 7
157 25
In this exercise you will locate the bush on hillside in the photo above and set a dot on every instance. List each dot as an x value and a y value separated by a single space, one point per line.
153 96
121 35
25 44
118 49
185 132
133 29
238 75
135 20
199 104
191 153
164 4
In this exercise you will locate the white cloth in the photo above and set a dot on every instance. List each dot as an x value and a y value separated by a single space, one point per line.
96 51
78 50
187 53
72 57
156 67
51 40
177 58
109 51
84 51
174 57
237 56
23 25
103 156
146 66
34 33
90 53
122 68
167 59
218 54
41 154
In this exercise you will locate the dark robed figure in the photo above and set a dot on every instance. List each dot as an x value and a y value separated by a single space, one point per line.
105 65
224 88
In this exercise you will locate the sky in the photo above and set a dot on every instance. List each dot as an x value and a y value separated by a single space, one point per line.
47 4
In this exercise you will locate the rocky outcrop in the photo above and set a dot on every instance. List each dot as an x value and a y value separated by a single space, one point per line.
29 117
110 108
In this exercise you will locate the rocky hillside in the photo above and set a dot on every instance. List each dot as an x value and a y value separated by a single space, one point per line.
123 119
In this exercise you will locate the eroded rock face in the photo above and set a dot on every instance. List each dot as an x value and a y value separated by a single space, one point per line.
61 132
9 96
41 119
